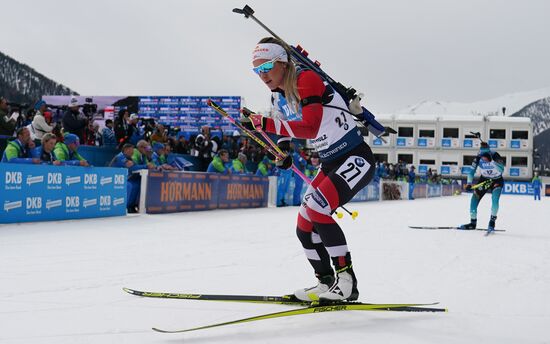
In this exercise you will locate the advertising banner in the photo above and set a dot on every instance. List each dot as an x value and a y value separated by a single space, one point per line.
370 192
420 190
434 190
43 193
169 192
241 191
517 188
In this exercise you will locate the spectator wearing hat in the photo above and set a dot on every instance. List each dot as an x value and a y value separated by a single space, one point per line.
67 151
39 123
73 122
159 156
265 167
19 150
411 176
109 139
45 152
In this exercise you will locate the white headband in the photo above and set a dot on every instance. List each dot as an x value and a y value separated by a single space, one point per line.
269 51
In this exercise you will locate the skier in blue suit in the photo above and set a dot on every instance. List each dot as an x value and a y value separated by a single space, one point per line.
491 166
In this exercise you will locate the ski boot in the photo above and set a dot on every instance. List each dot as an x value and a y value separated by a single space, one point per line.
469 226
312 294
345 286
491 226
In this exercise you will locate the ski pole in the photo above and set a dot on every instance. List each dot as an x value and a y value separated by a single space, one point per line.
272 148
247 112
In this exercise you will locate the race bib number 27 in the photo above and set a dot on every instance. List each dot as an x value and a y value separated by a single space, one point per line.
353 170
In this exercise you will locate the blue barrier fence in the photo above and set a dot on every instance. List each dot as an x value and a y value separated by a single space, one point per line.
43 193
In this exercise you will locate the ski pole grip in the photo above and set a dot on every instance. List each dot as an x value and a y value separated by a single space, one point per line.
247 11
246 112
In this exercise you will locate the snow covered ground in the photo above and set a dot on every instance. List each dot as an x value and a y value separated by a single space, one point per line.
61 281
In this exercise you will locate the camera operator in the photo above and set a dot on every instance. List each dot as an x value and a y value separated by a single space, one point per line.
160 135
7 123
121 127
39 123
73 122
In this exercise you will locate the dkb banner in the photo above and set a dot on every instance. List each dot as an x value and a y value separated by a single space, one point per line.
517 188
43 192
169 192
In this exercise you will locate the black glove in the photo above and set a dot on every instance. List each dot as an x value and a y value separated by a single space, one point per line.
251 121
245 122
284 164
468 187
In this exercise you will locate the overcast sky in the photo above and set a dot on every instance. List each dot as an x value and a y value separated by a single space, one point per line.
397 52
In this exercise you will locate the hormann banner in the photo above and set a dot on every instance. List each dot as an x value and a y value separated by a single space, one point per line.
169 192
43 193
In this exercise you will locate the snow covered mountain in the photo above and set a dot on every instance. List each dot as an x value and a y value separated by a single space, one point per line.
512 102
22 84
539 112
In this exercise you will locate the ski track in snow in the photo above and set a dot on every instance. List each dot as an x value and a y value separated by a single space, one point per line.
61 281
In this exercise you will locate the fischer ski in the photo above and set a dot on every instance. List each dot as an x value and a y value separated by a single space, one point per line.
281 300
318 309
289 300
455 227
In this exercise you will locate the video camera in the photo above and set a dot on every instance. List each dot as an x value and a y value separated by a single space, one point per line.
149 126
17 107
89 108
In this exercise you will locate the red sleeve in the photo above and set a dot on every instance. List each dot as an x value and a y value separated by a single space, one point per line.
309 85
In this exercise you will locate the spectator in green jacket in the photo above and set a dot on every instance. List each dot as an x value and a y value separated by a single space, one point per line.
265 167
239 164
220 163
67 151
19 150
143 155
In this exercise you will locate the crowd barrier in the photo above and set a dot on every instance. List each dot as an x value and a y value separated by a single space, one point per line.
393 190
98 156
168 192
370 193
44 193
